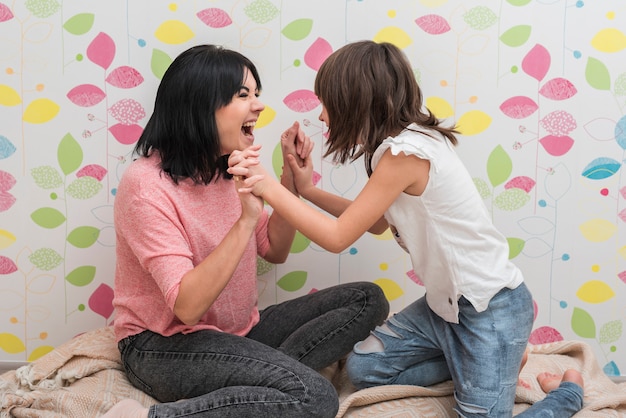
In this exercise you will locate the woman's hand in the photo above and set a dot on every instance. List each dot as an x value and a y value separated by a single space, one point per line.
248 173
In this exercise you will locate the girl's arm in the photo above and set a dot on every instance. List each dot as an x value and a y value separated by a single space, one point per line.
393 175
329 202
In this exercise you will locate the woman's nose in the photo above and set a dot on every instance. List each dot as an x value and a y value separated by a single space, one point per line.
258 105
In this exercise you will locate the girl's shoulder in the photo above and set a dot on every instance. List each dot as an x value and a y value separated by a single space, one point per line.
413 139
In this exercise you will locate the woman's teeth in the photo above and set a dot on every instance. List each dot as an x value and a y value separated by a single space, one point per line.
247 127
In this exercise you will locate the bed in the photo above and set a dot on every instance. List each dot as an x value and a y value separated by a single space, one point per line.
84 378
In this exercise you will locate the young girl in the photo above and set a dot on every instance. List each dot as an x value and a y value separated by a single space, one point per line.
187 323
474 322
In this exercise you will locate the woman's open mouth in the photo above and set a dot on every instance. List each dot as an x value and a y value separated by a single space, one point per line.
247 129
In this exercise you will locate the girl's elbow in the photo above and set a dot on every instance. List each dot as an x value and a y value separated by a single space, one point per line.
336 247
378 230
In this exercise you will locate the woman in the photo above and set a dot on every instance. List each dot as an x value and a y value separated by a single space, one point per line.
187 324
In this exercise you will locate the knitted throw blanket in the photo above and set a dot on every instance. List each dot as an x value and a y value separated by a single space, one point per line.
83 378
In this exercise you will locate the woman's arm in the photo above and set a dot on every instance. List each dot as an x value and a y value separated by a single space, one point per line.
296 145
201 286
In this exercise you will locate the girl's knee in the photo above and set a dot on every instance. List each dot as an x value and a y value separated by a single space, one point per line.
357 368
364 366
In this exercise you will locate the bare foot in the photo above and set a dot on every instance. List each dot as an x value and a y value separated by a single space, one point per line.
551 381
128 408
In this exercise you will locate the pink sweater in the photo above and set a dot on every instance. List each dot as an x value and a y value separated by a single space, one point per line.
163 230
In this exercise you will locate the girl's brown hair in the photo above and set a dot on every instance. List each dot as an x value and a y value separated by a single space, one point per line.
370 93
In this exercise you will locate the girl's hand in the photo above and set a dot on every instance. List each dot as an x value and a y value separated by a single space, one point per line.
302 173
296 143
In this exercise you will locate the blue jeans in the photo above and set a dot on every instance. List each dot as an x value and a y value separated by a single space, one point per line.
269 373
482 354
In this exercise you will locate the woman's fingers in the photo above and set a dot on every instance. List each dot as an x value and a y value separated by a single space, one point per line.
246 184
237 156
240 161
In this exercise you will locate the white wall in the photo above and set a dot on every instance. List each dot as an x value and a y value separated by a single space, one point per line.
538 89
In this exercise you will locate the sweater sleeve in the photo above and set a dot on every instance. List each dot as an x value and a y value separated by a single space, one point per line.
262 238
158 241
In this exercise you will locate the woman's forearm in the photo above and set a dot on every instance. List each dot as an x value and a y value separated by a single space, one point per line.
201 286
281 232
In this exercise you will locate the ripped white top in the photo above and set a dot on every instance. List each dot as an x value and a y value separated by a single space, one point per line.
455 249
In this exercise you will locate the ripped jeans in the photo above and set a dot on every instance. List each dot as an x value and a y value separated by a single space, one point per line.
482 354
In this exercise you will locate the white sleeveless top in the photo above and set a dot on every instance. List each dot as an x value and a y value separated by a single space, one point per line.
455 249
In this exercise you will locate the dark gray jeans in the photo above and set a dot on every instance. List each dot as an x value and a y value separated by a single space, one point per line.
269 373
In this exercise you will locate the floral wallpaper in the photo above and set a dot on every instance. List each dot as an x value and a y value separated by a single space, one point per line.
537 89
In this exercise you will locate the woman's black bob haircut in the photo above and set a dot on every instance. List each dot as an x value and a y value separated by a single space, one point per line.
182 128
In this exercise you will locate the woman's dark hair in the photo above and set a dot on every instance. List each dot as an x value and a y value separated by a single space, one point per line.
182 128
370 93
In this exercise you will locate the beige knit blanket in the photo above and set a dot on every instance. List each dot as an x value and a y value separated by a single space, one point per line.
83 378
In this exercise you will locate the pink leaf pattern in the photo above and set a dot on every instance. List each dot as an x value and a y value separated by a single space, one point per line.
556 145
7 266
92 170
101 301
521 182
127 111
559 123
317 53
125 77
7 181
214 17
301 101
86 95
622 276
126 134
537 62
519 107
5 13
622 215
7 200
544 335
101 50
558 89
433 24
316 177
411 275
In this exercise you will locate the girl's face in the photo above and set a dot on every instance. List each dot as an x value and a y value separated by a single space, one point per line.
236 120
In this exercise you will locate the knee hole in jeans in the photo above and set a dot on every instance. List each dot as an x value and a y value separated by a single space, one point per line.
373 344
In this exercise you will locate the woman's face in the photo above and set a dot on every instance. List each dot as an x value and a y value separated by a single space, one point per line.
236 120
